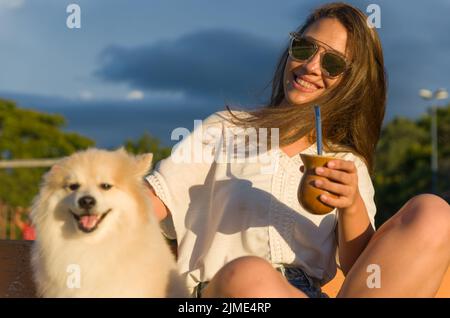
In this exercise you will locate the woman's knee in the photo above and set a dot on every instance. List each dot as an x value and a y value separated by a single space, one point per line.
429 216
245 268
242 275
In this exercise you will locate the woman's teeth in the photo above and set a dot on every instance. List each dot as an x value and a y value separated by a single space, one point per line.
304 83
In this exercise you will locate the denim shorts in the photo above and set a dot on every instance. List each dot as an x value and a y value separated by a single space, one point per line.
294 275
302 281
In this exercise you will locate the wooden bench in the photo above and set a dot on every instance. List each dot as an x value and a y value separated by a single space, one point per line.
15 269
16 280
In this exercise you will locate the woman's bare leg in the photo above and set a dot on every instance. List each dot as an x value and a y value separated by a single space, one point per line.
412 250
250 277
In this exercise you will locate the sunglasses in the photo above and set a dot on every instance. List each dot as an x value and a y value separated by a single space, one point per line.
332 63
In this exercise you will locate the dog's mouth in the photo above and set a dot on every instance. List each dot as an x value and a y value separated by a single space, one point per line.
88 223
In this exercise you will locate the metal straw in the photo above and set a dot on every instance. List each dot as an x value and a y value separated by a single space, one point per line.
318 129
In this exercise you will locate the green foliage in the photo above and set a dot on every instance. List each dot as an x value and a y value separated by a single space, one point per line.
28 134
402 166
145 144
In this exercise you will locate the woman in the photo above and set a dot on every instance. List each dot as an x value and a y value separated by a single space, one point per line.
242 233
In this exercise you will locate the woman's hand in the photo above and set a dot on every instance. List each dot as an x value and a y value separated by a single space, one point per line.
341 180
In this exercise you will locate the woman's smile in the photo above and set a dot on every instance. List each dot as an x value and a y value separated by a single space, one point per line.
304 85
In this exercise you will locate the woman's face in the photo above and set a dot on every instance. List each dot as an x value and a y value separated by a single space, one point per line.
304 81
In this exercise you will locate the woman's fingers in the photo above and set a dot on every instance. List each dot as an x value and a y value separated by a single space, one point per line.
340 179
335 175
342 193
339 202
333 187
344 165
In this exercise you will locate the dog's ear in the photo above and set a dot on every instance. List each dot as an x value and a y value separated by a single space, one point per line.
54 174
144 163
55 168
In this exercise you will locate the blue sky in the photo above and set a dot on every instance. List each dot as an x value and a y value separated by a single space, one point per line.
191 55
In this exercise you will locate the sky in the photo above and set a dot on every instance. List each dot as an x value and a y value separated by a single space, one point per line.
185 59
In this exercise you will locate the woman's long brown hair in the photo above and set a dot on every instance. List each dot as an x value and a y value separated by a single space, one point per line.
352 110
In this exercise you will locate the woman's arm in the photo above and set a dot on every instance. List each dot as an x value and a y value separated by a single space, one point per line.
159 207
354 232
354 227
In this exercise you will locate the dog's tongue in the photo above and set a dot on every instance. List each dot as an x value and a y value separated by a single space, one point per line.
89 221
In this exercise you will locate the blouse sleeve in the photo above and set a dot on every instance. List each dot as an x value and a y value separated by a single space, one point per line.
186 167
366 189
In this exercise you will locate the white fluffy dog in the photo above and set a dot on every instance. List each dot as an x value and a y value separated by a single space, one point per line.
97 235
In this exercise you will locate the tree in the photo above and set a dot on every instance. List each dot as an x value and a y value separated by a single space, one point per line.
443 125
402 164
145 144
26 134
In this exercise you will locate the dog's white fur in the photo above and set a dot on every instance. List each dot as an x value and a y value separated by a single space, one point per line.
126 256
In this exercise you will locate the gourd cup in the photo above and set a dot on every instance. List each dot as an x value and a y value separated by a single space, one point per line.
308 194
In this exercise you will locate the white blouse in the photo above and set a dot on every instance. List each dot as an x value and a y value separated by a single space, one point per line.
224 210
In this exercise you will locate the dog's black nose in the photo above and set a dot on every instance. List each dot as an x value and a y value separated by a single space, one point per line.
86 202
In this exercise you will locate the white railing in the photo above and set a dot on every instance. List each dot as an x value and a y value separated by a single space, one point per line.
27 163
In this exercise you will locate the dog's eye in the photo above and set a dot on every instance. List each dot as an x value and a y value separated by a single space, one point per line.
105 186
74 186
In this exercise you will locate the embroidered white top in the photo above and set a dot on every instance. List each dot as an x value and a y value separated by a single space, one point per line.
224 210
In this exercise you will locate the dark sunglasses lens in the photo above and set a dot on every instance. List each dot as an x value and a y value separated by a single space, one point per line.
302 49
333 64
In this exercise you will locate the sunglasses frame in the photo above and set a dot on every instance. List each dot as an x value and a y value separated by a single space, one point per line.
317 44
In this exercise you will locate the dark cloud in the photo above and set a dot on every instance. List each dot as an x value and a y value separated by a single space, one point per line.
230 65
211 63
